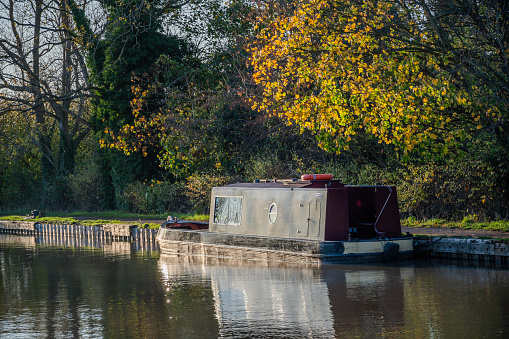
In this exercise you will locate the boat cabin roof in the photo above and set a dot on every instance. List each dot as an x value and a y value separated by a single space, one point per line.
288 183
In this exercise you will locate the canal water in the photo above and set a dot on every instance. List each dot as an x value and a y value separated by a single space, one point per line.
123 292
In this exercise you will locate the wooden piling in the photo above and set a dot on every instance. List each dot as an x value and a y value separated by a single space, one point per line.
75 235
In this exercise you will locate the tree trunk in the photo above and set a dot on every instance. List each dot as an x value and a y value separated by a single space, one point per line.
44 140
66 154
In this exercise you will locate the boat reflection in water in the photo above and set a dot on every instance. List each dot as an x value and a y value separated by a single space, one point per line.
260 299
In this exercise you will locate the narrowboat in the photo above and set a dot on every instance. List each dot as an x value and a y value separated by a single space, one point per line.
315 219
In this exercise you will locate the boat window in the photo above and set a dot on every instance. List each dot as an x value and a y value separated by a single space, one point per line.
228 210
273 213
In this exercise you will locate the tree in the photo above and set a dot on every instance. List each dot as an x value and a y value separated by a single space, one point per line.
411 73
172 103
121 51
19 161
130 45
43 74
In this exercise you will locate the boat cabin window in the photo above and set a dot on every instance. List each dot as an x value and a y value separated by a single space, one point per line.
227 210
273 213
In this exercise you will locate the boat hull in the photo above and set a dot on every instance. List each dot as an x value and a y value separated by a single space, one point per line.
234 246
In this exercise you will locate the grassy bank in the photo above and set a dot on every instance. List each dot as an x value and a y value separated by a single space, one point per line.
146 220
100 218
468 223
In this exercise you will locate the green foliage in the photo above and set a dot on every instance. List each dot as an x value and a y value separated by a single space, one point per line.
20 185
20 165
119 63
167 197
449 190
381 87
189 111
58 195
120 170
216 25
86 186
267 166
131 46
155 197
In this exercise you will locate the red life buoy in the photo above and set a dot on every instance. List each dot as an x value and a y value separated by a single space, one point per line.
316 177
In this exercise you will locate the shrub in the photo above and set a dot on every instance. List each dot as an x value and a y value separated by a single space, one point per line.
87 188
57 195
450 190
20 188
155 197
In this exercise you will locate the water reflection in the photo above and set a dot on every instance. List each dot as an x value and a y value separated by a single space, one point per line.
109 248
62 292
253 300
258 299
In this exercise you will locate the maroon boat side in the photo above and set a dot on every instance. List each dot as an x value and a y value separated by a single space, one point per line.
359 212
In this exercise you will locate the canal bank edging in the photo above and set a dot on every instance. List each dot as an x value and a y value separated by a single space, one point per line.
472 249
103 233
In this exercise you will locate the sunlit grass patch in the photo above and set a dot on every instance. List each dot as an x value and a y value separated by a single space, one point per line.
101 218
468 223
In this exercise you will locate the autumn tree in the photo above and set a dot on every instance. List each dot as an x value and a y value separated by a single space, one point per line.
177 102
120 50
203 121
427 76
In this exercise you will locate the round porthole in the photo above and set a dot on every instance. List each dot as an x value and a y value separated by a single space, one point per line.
273 213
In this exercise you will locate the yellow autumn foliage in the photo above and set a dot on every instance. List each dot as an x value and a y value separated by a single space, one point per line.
339 67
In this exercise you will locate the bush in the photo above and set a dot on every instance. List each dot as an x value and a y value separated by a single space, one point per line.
267 167
362 174
451 190
57 195
270 166
19 188
155 197
87 188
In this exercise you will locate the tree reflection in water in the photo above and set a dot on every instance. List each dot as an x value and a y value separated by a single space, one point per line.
58 292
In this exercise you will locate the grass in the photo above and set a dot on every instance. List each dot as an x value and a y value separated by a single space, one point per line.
468 223
100 218
81 222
